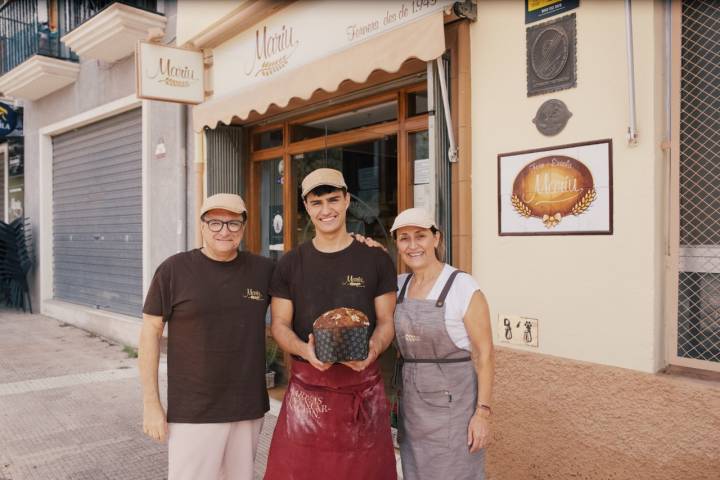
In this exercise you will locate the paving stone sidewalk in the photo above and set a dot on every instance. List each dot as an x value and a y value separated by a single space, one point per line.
70 407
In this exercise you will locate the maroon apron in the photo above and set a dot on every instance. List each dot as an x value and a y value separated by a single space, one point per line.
332 424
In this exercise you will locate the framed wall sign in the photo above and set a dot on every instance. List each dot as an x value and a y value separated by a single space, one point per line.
563 190
541 9
170 74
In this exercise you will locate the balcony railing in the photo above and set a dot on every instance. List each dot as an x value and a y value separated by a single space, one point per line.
26 30
78 12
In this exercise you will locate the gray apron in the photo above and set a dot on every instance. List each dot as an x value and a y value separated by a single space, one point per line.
438 396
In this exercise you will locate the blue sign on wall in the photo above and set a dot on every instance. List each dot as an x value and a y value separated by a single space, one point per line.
8 119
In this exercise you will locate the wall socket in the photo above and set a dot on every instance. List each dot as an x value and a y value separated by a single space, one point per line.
517 330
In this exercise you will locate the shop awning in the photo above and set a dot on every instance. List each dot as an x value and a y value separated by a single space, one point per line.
424 39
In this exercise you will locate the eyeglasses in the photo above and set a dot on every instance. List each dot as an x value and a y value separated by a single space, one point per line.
233 226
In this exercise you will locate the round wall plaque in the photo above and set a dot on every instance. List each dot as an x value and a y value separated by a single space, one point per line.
551 117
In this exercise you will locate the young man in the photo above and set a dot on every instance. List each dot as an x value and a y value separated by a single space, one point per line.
214 300
334 421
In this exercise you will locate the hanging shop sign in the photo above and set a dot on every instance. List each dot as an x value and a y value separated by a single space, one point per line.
291 38
169 74
551 56
558 190
9 119
541 9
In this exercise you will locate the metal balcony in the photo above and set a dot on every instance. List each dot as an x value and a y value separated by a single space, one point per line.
31 27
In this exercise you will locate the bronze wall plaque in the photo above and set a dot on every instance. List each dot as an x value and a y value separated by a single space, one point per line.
551 56
551 117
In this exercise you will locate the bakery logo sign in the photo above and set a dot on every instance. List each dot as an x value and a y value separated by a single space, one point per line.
354 281
273 49
252 294
169 74
551 188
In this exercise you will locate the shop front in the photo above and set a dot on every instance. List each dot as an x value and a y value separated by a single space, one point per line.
373 93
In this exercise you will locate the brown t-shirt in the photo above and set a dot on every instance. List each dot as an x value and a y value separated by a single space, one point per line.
216 335
316 281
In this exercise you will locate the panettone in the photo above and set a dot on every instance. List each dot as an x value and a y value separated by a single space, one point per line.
341 335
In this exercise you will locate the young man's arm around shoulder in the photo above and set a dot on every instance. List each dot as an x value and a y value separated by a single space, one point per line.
154 419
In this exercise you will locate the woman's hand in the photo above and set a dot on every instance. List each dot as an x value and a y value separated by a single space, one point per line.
478 431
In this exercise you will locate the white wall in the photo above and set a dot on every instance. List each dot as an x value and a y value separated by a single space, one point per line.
597 298
194 16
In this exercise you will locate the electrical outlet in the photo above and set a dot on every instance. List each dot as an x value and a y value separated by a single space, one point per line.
517 330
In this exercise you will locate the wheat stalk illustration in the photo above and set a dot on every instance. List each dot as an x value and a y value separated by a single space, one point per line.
584 203
268 68
520 207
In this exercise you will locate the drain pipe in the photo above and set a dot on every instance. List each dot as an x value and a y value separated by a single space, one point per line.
182 117
452 151
632 128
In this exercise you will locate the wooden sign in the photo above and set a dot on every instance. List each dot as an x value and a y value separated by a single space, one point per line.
169 74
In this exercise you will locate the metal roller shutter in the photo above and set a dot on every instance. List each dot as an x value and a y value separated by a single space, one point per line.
97 214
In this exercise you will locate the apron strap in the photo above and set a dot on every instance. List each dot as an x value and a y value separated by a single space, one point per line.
437 360
441 299
401 297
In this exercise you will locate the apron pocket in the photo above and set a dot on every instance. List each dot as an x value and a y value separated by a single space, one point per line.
431 385
327 420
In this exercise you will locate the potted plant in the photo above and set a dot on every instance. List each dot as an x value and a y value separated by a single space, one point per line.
271 354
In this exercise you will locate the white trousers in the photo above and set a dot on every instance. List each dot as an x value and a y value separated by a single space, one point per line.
213 451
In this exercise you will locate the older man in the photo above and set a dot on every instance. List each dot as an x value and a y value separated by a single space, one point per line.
214 300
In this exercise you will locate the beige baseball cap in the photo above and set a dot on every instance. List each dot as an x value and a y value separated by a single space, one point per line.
223 201
322 176
413 217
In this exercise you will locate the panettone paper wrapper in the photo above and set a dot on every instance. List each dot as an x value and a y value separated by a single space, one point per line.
341 344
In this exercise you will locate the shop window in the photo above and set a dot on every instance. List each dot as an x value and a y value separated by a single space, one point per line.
360 118
417 103
268 139
370 170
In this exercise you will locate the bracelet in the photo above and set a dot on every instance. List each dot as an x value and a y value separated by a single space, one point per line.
482 406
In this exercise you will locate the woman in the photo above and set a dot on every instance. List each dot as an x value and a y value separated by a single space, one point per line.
442 327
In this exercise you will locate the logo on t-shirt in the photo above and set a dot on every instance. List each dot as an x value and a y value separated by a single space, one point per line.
354 281
252 294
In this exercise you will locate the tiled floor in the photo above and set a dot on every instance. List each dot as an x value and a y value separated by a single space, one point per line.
70 407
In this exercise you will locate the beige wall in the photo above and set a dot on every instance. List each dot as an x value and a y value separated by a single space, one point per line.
597 298
194 16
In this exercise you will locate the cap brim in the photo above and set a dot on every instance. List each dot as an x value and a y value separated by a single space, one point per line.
412 224
324 184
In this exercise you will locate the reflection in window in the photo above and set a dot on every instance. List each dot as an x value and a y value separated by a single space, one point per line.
271 208
363 117
417 103
370 171
269 139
